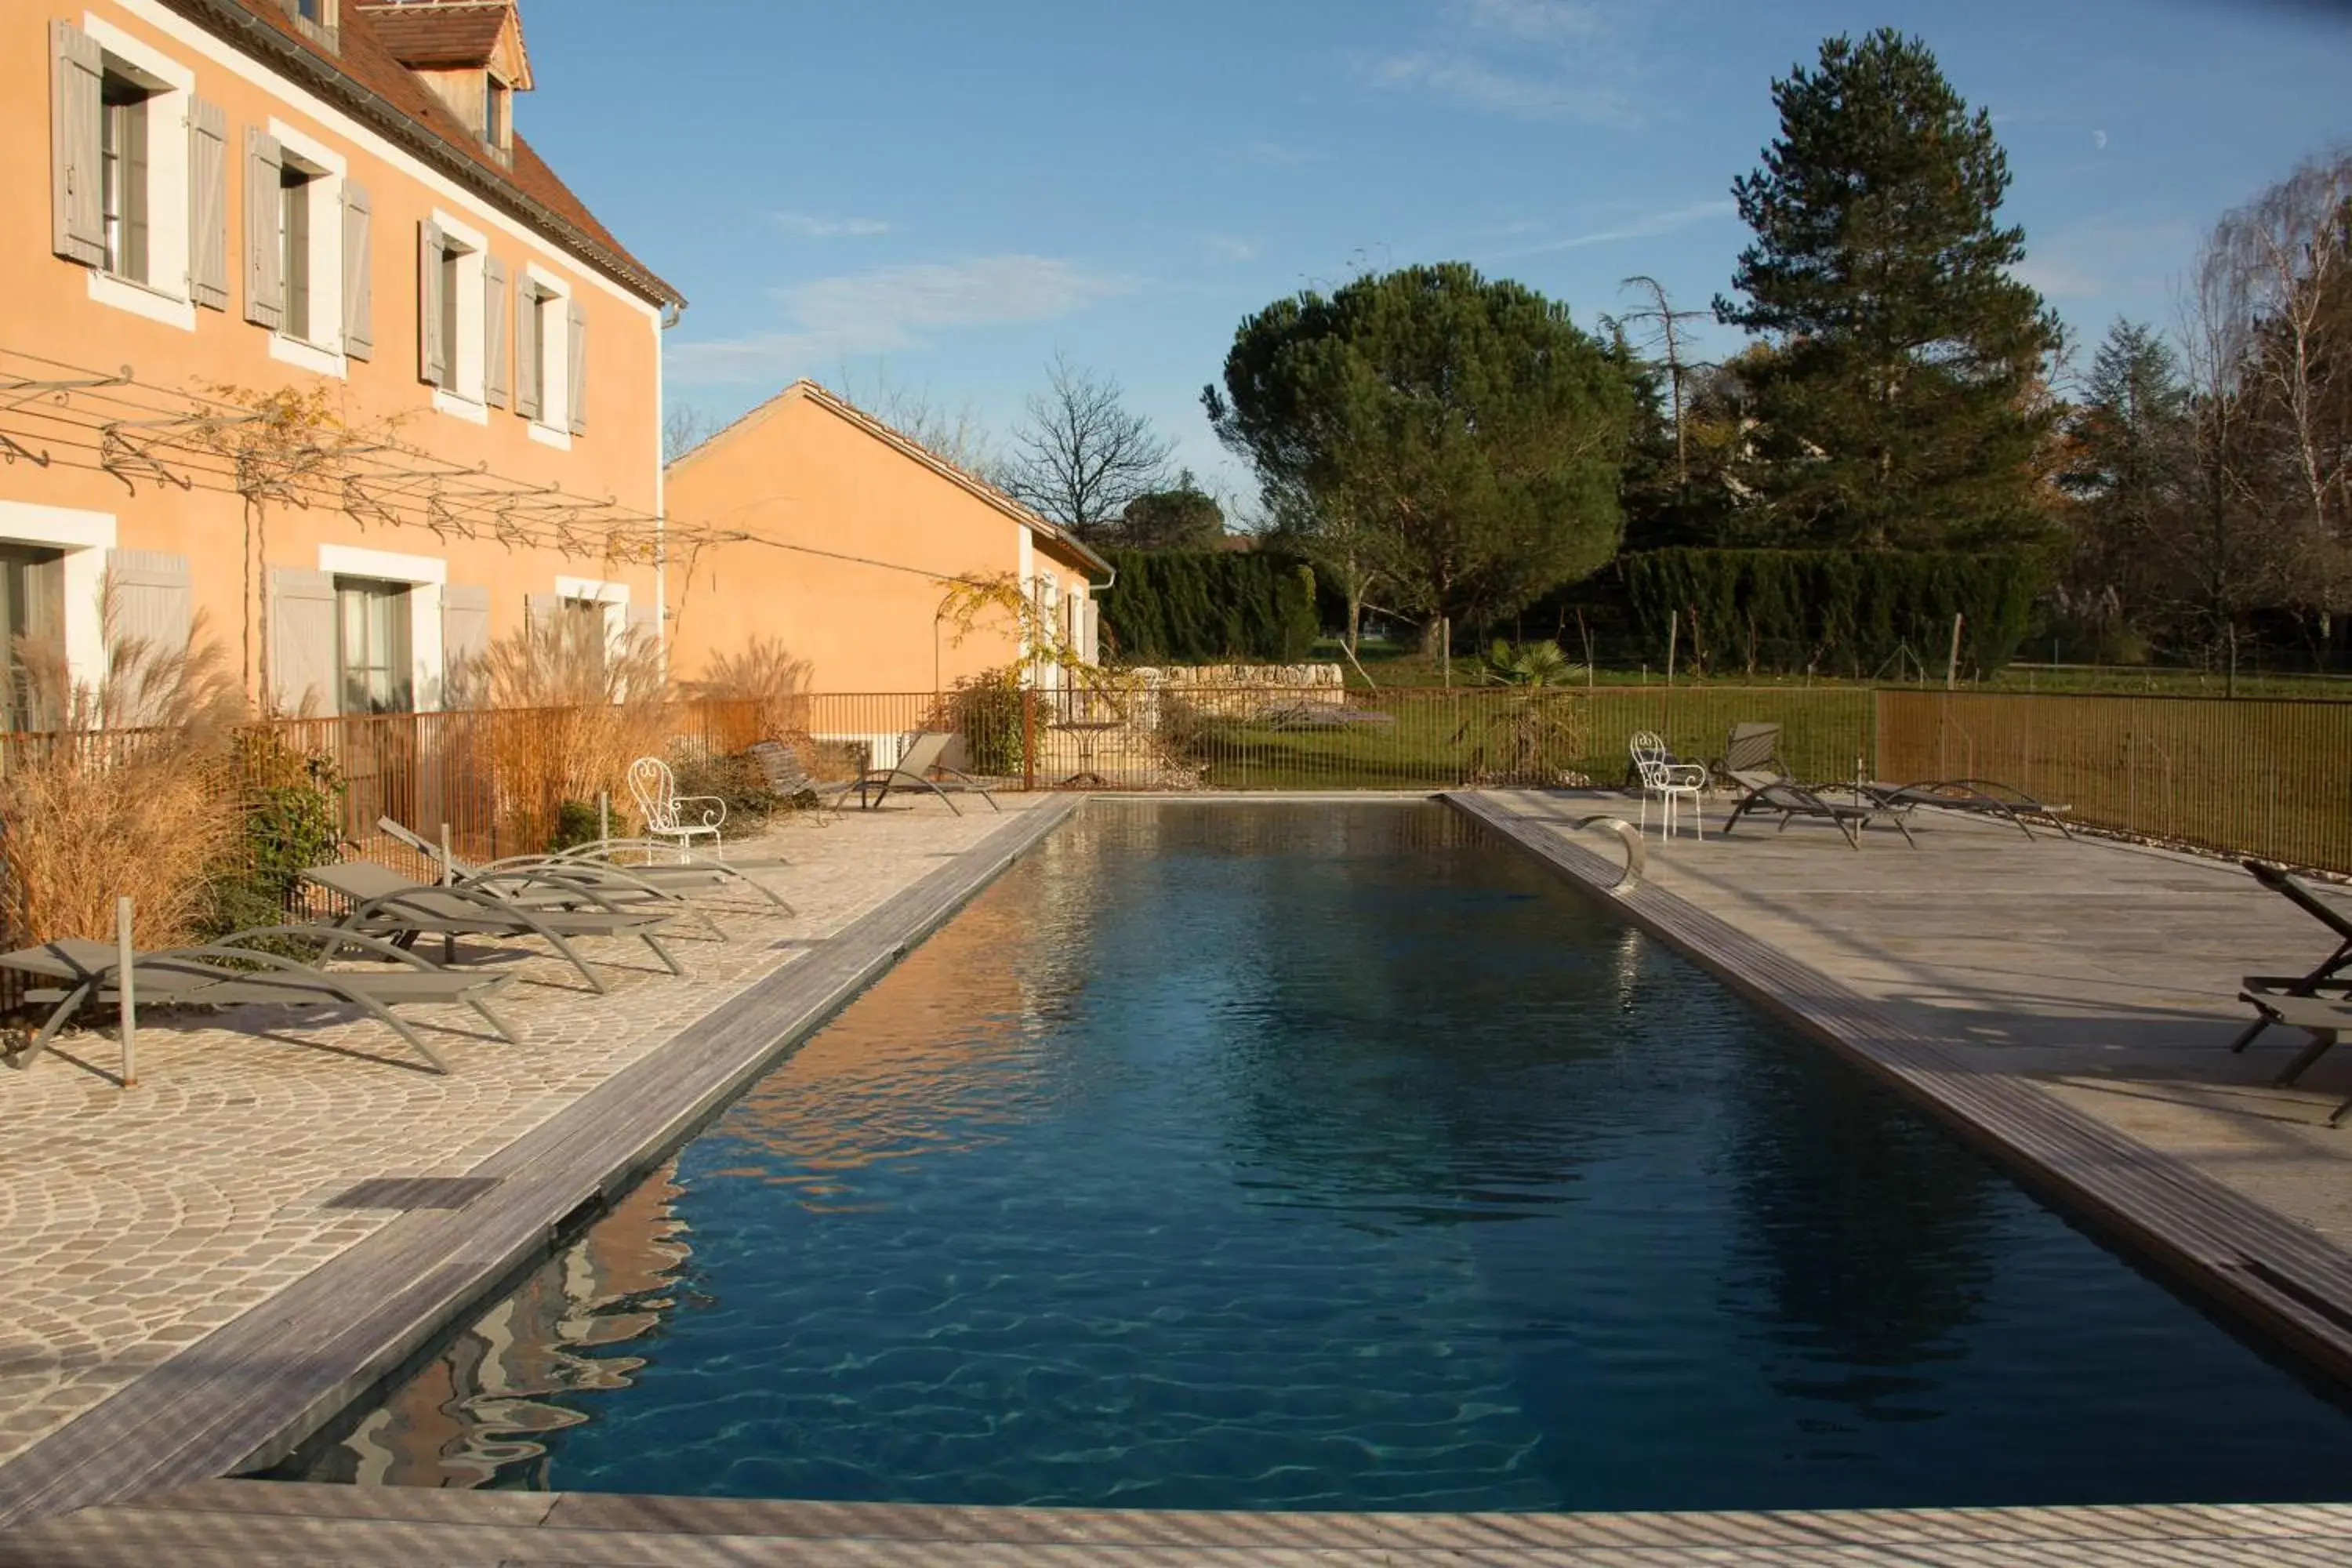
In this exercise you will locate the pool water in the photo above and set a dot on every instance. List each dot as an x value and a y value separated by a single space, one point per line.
1335 1157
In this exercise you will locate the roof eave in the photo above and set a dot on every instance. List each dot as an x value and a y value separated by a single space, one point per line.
240 27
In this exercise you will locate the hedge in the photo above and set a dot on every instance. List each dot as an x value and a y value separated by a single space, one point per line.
1208 606
1833 612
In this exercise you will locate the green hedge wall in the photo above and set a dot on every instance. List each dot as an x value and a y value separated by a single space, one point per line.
1209 606
1834 612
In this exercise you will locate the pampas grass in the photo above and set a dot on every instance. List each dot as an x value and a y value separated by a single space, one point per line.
588 708
131 790
766 682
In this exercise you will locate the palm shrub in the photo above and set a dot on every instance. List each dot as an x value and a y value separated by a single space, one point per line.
1525 740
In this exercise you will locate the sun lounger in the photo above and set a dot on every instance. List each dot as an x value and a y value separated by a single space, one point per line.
386 903
1792 800
2330 910
620 883
913 770
236 972
1751 748
1978 798
2328 1019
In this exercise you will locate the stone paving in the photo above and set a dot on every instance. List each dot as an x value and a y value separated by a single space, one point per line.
134 1222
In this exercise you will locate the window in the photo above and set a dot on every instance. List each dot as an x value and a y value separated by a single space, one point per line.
583 638
32 590
494 113
123 181
294 250
372 668
452 295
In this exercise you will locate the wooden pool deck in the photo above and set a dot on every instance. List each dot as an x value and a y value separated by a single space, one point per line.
262 1524
2067 1005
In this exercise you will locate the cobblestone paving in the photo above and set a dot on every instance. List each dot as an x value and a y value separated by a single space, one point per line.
134 1222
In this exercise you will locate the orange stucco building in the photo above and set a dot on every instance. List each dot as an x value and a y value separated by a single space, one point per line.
843 537
323 206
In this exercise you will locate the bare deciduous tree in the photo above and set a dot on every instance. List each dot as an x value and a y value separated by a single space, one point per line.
685 426
954 433
1082 455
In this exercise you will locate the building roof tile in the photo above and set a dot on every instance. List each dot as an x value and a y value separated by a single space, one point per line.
365 75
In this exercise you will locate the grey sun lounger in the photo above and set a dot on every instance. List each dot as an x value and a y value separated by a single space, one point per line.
1977 797
232 972
2332 972
912 771
387 904
545 880
2328 1019
1792 800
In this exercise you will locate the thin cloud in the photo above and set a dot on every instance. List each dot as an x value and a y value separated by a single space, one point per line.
890 309
1228 247
811 225
1532 21
1645 226
1267 154
1465 81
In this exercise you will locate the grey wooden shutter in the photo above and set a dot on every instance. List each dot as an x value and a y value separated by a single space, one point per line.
465 638
207 204
539 611
575 361
302 641
641 624
529 397
78 217
494 331
359 274
431 353
265 284
151 599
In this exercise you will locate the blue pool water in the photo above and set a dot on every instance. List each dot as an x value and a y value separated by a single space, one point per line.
1335 1157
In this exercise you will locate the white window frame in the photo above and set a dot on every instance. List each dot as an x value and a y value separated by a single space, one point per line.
85 536
165 296
322 351
552 331
614 597
425 576
463 395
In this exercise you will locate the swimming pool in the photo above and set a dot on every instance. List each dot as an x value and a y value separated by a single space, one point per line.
1313 1156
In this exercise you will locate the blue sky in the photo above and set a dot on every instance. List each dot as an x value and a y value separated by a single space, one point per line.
941 195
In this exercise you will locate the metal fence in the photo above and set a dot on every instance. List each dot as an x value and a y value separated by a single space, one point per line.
2270 777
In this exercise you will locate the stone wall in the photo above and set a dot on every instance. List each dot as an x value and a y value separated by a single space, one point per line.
1246 690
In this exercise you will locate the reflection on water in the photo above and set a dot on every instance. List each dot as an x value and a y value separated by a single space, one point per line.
1334 1158
480 1412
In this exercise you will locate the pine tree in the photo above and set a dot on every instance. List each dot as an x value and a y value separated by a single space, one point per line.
2127 448
1902 405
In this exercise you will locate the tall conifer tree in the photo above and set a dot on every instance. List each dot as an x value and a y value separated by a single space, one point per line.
1902 405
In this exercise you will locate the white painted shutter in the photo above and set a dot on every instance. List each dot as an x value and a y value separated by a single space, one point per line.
208 204
265 283
151 600
641 624
576 362
528 394
302 641
494 331
431 353
359 274
465 636
540 610
77 216
1090 633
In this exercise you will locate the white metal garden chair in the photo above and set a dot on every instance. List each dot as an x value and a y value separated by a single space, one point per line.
1670 781
672 817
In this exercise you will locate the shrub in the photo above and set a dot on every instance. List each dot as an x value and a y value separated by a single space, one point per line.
985 709
1841 612
97 809
1201 606
292 818
735 779
591 709
575 824
766 679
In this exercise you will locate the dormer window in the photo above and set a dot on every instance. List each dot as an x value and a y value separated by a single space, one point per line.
316 20
497 127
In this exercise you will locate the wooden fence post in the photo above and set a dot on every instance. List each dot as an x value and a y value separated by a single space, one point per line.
1028 737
